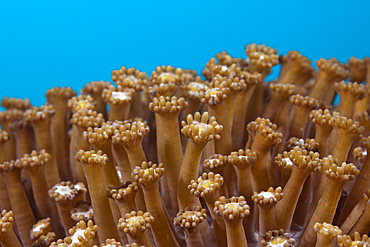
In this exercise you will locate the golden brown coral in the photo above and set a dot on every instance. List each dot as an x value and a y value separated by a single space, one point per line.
277 238
7 235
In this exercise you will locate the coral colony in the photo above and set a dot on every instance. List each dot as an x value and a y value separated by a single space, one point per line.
180 161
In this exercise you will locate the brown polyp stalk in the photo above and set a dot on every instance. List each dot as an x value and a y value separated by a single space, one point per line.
296 70
364 120
59 97
233 211
346 240
265 137
347 132
362 104
240 108
4 197
24 136
191 92
119 101
360 186
119 153
329 71
40 119
92 163
242 161
277 238
199 130
280 93
349 94
84 119
363 223
304 163
207 186
282 121
147 175
216 164
35 163
169 109
357 69
64 194
95 89
326 233
77 103
337 175
302 107
130 136
124 196
42 227
214 96
7 235
266 201
236 84
131 78
355 213
80 235
22 210
189 219
136 224
7 117
261 59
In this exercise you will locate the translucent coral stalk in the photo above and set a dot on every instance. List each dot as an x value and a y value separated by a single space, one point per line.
279 94
304 163
265 137
147 175
4 197
124 196
349 94
35 163
7 117
199 129
360 186
337 175
22 210
59 97
207 186
40 118
119 100
169 109
92 165
130 135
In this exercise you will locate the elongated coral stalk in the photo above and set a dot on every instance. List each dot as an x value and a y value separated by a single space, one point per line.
265 137
59 127
4 197
199 129
92 164
34 163
233 211
337 175
95 89
207 186
22 210
130 136
169 109
7 117
40 118
64 193
119 101
148 175
304 163
349 94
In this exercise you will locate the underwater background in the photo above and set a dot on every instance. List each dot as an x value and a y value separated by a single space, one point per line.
70 43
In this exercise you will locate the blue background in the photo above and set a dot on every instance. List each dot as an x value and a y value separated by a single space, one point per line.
69 43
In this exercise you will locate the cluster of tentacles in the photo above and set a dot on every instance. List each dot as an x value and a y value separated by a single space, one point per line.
171 159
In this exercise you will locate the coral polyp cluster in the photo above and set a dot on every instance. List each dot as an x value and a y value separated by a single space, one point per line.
173 158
